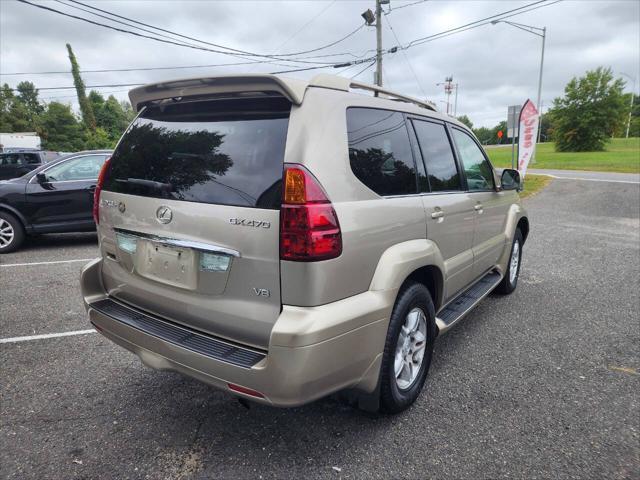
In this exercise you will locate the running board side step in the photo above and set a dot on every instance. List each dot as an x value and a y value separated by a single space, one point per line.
464 303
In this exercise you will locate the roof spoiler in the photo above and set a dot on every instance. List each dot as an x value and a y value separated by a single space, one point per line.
293 90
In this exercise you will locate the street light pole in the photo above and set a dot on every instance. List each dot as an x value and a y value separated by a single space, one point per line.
540 32
538 104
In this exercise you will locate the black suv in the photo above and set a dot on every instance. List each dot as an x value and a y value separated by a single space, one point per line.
16 163
55 197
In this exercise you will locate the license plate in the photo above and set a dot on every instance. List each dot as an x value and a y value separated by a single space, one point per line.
167 264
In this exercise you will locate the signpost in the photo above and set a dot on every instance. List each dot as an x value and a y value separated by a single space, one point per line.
513 115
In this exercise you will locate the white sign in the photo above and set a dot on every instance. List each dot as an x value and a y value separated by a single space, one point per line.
513 116
528 133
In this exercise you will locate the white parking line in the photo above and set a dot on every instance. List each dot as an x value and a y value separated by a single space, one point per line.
45 336
46 263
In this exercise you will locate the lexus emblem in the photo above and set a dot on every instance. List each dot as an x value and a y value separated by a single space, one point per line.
164 214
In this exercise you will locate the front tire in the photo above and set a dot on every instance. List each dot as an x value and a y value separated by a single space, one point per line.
408 348
510 280
11 233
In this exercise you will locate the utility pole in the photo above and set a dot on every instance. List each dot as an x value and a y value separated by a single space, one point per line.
448 88
369 18
455 102
379 42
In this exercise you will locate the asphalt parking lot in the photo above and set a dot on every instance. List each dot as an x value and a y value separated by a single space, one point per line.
543 383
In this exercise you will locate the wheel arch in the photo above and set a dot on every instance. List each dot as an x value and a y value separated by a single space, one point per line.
431 277
523 225
417 260
6 208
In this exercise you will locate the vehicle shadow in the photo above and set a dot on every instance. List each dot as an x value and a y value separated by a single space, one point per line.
47 241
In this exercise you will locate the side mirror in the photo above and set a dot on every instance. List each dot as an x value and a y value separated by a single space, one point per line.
510 180
41 178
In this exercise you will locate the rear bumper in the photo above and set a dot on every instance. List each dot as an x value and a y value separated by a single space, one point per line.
313 351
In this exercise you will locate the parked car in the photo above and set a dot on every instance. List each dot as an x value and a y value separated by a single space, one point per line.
285 240
16 162
55 197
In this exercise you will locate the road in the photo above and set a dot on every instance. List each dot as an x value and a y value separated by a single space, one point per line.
543 383
590 176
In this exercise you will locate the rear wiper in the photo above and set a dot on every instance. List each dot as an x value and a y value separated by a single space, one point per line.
165 187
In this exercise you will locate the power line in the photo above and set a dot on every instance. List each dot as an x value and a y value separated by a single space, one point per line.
90 86
196 47
364 69
75 96
406 5
415 42
406 57
479 23
242 52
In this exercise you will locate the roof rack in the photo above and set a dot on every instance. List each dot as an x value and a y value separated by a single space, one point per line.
335 82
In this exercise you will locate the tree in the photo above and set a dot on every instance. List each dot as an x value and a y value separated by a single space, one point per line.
97 139
113 118
484 135
85 106
60 129
591 110
28 96
6 102
466 120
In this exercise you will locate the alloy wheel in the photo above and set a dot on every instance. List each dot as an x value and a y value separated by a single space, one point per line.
410 348
6 233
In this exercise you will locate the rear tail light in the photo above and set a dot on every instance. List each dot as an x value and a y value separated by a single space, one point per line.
96 193
309 228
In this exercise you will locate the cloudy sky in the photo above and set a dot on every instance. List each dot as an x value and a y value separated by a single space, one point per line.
494 65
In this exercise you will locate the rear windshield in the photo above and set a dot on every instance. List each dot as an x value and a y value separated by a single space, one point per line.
227 152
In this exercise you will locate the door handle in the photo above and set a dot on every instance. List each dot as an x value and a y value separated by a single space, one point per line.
478 207
91 188
437 214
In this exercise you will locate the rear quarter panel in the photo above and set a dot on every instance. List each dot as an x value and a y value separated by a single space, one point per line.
370 224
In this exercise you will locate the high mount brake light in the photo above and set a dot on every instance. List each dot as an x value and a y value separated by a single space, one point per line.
96 192
309 228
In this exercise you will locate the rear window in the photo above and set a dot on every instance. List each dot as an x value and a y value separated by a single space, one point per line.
227 152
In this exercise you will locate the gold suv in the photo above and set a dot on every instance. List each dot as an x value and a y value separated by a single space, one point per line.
284 240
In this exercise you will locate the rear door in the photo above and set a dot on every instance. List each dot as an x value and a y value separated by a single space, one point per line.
189 215
449 210
490 206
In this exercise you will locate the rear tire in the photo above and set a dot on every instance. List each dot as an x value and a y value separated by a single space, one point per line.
11 233
408 348
510 280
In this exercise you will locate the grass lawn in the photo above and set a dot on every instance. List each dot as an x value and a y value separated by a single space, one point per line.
621 155
533 184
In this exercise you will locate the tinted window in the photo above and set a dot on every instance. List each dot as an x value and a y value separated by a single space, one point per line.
438 156
226 152
81 168
380 152
31 158
10 159
476 167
